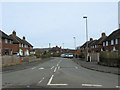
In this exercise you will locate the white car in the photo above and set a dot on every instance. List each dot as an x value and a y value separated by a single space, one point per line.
67 55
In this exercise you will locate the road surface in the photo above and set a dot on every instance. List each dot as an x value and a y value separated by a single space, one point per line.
58 73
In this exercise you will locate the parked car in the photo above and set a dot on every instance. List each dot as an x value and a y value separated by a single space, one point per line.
67 55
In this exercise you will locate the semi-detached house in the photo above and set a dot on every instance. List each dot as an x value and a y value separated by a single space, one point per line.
10 44
22 46
6 44
112 42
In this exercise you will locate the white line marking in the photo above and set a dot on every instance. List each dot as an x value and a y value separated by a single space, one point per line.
58 67
41 68
41 80
76 67
117 86
55 69
57 64
95 85
50 80
49 83
57 84
33 68
52 67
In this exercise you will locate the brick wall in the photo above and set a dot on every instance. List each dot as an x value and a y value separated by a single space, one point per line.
6 46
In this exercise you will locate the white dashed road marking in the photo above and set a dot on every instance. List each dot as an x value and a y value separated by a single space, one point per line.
41 80
76 67
57 64
52 67
55 69
33 68
58 67
41 68
117 86
95 85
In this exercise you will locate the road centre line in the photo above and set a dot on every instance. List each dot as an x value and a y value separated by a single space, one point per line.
52 67
55 69
41 80
95 85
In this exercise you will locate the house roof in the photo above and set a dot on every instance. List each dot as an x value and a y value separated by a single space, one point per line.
114 35
100 40
14 40
18 40
28 43
5 36
89 43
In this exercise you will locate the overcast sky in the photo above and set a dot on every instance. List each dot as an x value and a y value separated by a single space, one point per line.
57 23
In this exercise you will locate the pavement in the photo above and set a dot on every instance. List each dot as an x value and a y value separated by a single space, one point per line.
58 73
95 66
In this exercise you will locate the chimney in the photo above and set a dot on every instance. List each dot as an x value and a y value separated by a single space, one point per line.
23 37
91 39
103 34
14 33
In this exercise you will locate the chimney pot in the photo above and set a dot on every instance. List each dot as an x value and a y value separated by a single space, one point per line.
14 33
103 34
23 37
91 39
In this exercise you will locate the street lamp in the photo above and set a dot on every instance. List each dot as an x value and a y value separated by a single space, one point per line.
86 37
49 45
74 42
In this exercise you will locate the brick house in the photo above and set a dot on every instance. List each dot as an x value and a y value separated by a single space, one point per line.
97 46
6 44
83 47
112 42
20 45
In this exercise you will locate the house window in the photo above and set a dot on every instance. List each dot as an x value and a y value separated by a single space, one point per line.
19 45
22 45
116 41
112 42
10 42
103 43
6 41
106 43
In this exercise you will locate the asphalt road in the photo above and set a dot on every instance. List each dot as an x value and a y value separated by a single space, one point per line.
58 73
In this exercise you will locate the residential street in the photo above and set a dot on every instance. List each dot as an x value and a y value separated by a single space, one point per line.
58 73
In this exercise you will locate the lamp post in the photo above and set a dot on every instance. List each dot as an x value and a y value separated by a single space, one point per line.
49 45
74 42
86 37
